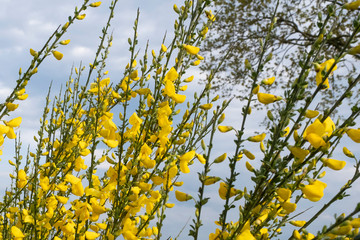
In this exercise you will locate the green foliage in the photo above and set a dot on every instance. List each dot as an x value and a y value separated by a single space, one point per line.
140 134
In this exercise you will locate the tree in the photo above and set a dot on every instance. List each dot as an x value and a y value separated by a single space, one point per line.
241 24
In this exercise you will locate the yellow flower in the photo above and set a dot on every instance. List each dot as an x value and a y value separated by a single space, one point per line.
224 189
325 65
16 232
65 42
284 193
347 152
355 223
248 154
210 15
315 131
189 79
257 138
354 134
62 199
220 158
22 179
268 81
81 17
352 5
95 4
33 52
206 106
11 106
225 129
288 206
169 89
195 63
256 89
163 48
298 152
314 191
296 235
266 98
184 161
311 113
57 55
342 230
91 235
201 158
14 122
23 97
298 223
333 163
182 197
249 167
191 49
315 140
211 180
169 205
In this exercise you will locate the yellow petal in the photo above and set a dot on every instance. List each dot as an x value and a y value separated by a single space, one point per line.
298 152
316 127
288 206
266 98
220 158
347 152
355 223
11 106
248 154
334 164
187 156
81 17
352 5
284 193
249 167
65 42
191 49
16 232
184 167
14 122
57 55
211 180
182 197
315 140
178 98
314 192
311 113
91 235
268 81
225 129
201 158
354 134
298 223
223 189
33 52
257 138
95 4
206 106
342 230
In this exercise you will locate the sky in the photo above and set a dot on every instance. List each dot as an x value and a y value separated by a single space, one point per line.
27 24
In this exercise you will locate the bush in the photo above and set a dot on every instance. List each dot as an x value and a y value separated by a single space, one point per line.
147 136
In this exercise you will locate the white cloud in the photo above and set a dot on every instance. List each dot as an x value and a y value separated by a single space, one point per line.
81 52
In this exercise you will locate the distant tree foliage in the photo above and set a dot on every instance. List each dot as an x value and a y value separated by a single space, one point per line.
241 23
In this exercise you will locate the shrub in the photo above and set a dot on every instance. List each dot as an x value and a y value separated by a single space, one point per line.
146 135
